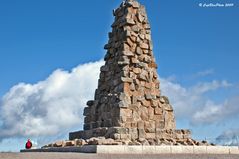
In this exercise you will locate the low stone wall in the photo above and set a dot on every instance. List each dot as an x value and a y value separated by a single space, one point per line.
121 134
122 149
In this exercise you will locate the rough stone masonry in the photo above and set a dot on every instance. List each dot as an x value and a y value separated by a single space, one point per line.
128 104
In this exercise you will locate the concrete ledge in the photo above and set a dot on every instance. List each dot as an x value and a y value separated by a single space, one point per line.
108 149
200 149
234 150
187 149
134 149
163 150
182 149
122 149
218 150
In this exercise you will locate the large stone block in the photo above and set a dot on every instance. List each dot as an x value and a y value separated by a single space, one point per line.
150 135
134 133
141 133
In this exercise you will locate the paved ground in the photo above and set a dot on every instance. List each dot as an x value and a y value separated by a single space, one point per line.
95 156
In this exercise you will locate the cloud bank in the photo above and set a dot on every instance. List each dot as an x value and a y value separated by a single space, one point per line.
212 113
193 104
50 106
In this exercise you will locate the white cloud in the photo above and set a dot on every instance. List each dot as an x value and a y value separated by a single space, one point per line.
212 113
201 88
205 73
192 103
178 96
51 106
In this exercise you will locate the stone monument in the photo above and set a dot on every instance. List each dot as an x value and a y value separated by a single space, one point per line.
128 104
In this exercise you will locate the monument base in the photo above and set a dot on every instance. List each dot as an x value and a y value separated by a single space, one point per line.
133 134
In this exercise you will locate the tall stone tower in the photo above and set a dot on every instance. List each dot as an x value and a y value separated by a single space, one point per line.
128 104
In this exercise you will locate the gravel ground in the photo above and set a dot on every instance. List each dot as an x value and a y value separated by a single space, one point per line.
95 156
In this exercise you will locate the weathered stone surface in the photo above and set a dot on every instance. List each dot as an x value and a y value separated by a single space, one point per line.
128 107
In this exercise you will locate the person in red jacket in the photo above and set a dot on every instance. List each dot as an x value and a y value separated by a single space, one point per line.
28 144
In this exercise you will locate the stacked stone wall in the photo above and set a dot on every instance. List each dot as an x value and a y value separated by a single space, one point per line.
128 104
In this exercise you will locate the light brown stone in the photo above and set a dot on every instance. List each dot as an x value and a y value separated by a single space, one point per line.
139 51
158 111
140 18
144 46
146 103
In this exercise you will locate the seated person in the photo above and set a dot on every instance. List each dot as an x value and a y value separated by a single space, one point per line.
28 144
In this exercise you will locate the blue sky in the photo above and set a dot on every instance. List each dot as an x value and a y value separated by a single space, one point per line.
193 45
